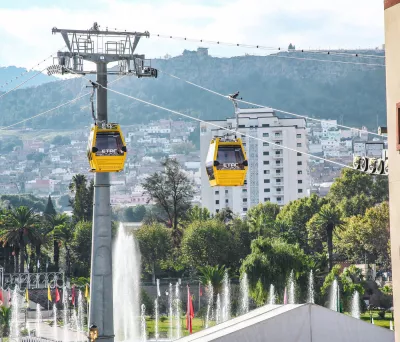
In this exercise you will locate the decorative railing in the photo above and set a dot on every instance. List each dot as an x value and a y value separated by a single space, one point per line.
32 280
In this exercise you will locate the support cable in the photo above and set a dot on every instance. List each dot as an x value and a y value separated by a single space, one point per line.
262 106
217 126
53 109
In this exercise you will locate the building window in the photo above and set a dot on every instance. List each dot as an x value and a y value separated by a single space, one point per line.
277 135
226 201
266 172
266 153
244 190
267 190
278 171
279 199
298 135
245 182
299 181
298 144
217 211
226 191
278 142
278 180
299 154
299 172
244 209
267 199
266 162
265 125
242 126
300 191
244 199
265 144
300 163
217 192
265 135
244 144
277 153
267 180
278 189
278 162
217 202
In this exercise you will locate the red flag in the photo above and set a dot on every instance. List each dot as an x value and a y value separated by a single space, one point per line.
200 290
73 295
57 295
189 313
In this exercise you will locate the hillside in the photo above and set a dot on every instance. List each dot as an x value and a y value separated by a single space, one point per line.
313 88
11 72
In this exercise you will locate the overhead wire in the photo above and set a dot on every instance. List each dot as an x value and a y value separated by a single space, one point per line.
262 47
54 108
263 106
31 69
216 125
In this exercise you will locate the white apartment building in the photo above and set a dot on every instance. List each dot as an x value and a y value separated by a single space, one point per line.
275 174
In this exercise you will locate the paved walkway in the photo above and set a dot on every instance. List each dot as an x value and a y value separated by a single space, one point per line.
55 333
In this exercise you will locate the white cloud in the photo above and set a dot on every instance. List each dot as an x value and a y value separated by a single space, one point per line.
26 33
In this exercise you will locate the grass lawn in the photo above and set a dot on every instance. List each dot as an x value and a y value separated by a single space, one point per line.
163 327
385 322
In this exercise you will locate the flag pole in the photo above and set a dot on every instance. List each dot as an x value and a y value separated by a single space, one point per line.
199 294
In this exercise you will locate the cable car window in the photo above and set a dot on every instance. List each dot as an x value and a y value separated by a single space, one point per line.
109 144
230 158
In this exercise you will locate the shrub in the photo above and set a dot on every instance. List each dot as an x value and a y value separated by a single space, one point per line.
381 314
163 319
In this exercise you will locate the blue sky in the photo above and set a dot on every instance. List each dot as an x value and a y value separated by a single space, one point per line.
25 25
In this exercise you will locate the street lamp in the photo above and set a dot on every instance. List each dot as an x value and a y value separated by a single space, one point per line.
93 333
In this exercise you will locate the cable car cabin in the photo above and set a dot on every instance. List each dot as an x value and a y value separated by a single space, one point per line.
106 148
226 163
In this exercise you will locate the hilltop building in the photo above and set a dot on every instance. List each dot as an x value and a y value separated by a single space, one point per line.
275 174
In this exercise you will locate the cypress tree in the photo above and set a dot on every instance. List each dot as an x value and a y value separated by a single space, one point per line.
49 210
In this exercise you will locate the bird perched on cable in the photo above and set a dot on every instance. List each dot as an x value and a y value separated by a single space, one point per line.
234 96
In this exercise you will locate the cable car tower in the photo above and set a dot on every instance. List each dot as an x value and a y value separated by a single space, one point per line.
101 47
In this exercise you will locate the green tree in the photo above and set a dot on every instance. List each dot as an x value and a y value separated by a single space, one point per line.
358 238
5 320
54 221
213 275
135 214
261 219
295 216
81 249
270 262
64 234
49 210
206 243
20 229
356 205
82 203
37 157
197 213
172 190
322 226
155 245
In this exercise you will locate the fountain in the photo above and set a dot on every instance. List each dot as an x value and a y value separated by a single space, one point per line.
355 305
210 294
126 290
178 311
271 296
334 296
14 325
244 294
156 318
65 313
28 328
171 311
38 320
143 323
310 291
226 298
55 331
291 289
373 321
80 322
218 314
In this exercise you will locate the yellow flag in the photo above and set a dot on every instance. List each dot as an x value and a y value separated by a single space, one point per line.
27 297
48 294
87 291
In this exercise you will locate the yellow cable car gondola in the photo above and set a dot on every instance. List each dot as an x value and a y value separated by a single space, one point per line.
106 148
226 162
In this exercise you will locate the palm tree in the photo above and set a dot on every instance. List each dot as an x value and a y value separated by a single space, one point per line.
213 275
64 234
21 228
329 218
78 181
55 221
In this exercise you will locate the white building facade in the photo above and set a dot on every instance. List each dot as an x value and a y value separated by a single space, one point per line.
275 174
